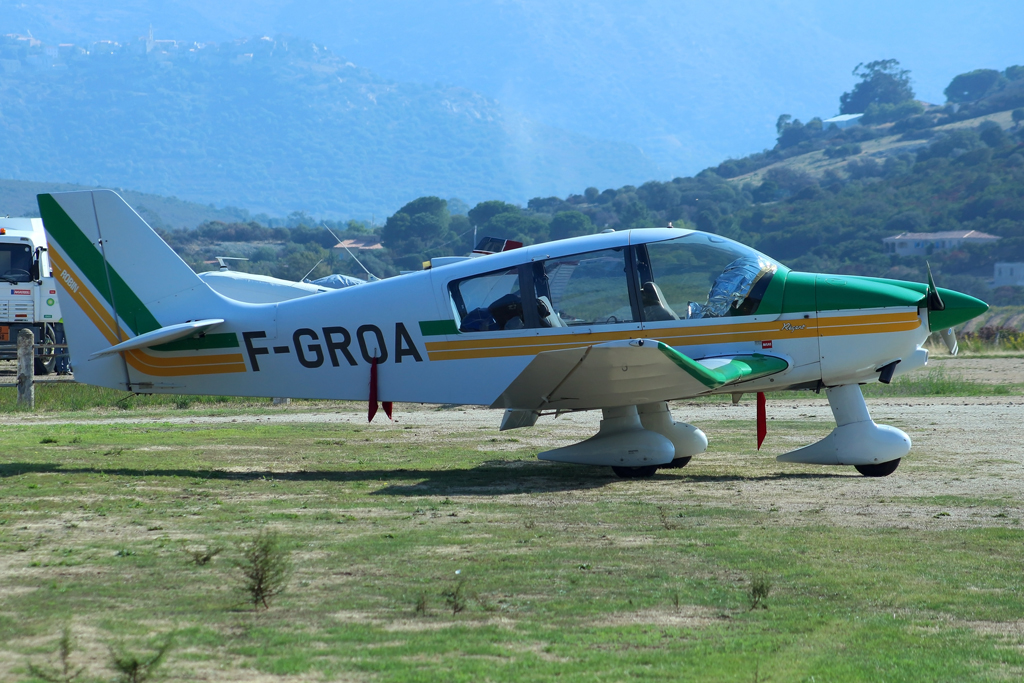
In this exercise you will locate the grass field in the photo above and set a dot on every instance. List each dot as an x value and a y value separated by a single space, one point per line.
560 571
75 398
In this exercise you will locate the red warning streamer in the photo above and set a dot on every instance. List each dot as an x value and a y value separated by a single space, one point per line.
373 390
762 419
387 405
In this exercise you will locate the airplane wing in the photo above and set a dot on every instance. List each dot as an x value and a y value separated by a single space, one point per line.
620 373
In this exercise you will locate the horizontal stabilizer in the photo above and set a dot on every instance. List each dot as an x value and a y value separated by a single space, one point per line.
160 336
628 372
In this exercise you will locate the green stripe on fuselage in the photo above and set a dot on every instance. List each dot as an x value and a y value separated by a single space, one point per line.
436 328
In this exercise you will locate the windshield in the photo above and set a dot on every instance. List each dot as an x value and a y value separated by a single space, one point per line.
15 262
701 276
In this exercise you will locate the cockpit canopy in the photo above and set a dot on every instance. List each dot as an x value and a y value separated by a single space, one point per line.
695 276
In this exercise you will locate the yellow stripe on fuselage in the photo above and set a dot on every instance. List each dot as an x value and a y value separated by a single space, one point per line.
157 366
837 325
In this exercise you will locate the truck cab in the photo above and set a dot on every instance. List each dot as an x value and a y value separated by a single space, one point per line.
28 292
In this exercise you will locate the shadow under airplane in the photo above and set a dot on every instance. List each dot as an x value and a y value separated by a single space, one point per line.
494 477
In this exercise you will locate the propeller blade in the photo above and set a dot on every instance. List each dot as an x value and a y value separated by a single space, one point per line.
934 300
949 339
935 303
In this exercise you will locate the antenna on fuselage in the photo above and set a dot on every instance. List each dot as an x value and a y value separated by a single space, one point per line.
370 277
311 270
222 259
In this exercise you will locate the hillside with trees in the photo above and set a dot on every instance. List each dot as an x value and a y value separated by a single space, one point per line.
822 200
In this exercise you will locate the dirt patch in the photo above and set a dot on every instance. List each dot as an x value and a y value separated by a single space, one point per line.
1002 629
539 650
430 623
685 616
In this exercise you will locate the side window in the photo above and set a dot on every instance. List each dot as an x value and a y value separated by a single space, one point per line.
488 302
701 276
583 289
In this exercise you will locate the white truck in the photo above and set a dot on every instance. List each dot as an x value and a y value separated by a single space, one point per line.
28 291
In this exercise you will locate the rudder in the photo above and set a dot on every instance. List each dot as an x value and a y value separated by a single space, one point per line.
120 280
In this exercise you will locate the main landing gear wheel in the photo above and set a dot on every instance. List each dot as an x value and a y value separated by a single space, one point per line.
880 470
676 464
635 472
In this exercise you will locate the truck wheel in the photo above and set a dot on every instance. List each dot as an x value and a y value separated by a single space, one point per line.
46 360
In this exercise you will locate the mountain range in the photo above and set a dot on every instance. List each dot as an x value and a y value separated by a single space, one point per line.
277 125
690 83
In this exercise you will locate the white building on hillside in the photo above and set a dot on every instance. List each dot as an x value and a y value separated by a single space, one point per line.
842 121
1008 274
924 243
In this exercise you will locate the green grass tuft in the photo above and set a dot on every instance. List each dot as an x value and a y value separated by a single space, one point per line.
70 397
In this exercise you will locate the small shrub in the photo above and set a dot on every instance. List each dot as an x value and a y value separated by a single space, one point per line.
422 605
133 668
665 522
992 338
843 151
203 557
264 567
63 671
758 592
48 439
182 402
455 597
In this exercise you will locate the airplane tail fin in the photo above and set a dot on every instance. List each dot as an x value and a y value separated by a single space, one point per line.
124 286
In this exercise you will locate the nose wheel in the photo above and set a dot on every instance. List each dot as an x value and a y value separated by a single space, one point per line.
635 472
880 470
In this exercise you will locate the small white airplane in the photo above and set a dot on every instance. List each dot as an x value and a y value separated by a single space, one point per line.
620 321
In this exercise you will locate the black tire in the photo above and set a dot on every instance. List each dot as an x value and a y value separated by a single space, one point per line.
676 464
883 469
46 361
635 472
